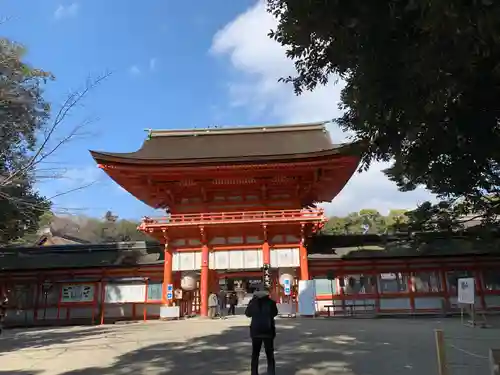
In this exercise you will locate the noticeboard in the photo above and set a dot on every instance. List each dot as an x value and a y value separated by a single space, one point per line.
466 291
77 293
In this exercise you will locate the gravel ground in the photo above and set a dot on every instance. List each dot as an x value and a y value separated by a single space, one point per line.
200 347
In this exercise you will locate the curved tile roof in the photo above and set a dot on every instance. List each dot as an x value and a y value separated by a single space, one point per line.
231 144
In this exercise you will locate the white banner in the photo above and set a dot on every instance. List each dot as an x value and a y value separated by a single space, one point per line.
466 291
77 293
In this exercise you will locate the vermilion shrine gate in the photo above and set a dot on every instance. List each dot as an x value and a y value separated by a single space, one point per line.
237 198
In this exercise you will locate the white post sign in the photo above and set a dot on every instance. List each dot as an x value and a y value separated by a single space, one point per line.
307 297
466 291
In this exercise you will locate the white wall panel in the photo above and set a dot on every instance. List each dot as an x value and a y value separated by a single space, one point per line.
285 258
186 261
236 259
251 259
197 260
220 260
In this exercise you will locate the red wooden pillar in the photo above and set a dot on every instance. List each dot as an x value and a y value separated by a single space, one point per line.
59 297
103 298
204 281
37 299
444 287
266 250
167 274
411 288
304 266
374 280
479 282
145 306
94 302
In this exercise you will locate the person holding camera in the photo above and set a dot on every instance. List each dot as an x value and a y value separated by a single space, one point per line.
262 310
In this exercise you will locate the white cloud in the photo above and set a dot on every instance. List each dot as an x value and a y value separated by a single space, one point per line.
372 189
135 70
153 63
66 11
260 62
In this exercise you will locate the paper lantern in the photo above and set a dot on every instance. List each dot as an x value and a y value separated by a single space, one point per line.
286 276
188 283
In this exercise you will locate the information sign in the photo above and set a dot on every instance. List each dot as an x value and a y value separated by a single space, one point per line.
466 291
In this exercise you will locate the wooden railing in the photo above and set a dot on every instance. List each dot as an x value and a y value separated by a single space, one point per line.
211 218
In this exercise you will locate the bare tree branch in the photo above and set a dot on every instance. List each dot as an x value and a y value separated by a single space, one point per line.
72 190
43 151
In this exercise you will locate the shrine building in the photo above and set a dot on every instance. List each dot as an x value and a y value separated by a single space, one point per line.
235 199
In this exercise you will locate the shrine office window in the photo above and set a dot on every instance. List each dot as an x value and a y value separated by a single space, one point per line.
324 286
393 282
491 279
426 282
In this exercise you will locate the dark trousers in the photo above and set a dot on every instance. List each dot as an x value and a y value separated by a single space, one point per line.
231 310
221 310
269 349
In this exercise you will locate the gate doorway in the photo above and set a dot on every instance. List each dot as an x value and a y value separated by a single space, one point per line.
243 284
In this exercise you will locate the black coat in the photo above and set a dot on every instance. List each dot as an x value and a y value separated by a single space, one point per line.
255 310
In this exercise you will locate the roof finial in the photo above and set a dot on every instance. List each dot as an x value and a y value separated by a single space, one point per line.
150 133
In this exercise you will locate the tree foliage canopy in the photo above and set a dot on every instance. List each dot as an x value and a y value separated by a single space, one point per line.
367 221
108 229
23 113
422 85
428 229
29 135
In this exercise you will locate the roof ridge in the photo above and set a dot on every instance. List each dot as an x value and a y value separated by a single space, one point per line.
237 130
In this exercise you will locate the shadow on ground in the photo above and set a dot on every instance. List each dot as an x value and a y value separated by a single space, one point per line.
39 338
302 348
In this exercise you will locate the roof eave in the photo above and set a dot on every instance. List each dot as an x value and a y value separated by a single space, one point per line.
346 149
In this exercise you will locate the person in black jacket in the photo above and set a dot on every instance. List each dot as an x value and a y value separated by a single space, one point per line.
262 310
233 301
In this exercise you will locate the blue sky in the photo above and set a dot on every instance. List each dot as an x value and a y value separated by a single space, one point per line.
174 64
